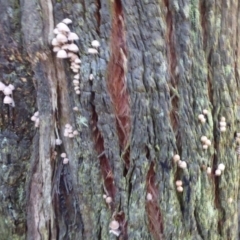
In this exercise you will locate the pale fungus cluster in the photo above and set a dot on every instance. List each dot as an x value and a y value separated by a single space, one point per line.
69 132
65 159
201 117
108 199
63 44
76 84
35 118
179 185
205 142
8 92
181 164
95 45
222 124
114 227
220 169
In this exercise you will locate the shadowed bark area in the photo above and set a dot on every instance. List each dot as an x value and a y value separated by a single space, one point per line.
160 64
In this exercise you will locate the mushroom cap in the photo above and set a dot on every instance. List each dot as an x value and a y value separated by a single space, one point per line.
205 146
11 87
176 158
178 183
63 155
2 86
70 135
221 167
78 92
76 88
91 76
204 139
182 164
33 118
76 76
114 225
208 142
73 47
7 100
95 43
72 36
76 82
180 189
92 51
65 161
62 54
7 91
209 170
223 119
222 124
75 108
205 111
149 197
58 141
56 48
36 114
55 31
77 60
201 117
222 129
67 21
218 172
55 42
67 125
75 70
65 47
61 38
62 27
72 56
108 199
75 132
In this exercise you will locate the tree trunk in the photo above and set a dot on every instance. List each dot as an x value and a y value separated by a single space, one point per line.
160 64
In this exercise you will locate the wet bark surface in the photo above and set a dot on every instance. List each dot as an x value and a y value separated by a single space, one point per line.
160 64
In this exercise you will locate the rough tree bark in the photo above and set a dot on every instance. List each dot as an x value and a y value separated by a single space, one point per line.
161 62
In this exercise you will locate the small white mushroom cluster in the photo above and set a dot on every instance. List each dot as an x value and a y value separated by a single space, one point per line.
220 169
65 159
76 84
95 45
179 185
222 124
35 118
205 142
8 92
108 199
181 164
64 44
209 170
201 117
69 132
114 228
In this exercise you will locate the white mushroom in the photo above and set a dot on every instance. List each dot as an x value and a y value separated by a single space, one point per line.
92 51
73 47
62 27
95 44
62 54
61 38
67 21
7 100
72 36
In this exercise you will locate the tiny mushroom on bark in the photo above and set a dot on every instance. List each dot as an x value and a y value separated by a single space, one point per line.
67 21
62 54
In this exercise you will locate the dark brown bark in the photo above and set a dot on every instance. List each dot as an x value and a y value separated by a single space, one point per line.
159 65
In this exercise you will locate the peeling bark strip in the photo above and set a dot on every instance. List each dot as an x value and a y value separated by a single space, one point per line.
104 163
116 80
153 211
